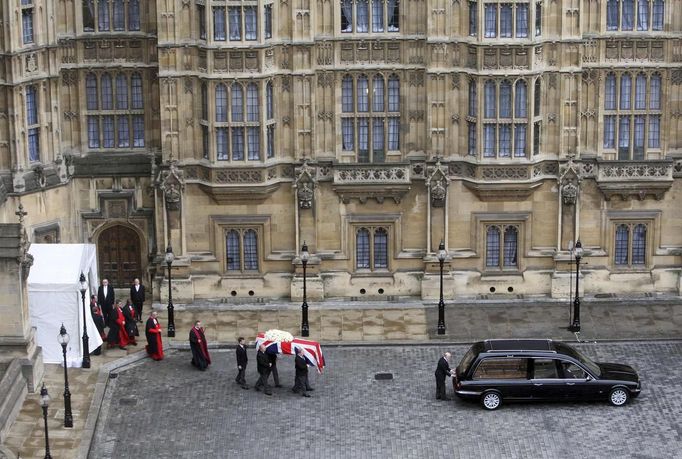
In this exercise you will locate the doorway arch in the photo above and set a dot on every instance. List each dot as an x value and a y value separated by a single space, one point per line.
119 255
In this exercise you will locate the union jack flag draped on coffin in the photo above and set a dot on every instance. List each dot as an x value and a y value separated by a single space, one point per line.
311 349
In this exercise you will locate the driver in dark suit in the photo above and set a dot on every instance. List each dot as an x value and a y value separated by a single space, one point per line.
442 370
105 299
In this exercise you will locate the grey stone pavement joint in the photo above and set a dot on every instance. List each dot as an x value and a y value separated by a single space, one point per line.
168 409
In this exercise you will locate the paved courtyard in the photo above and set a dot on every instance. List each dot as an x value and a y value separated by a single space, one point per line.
169 410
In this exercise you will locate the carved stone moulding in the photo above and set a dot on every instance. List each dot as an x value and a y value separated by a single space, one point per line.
227 194
379 193
634 190
502 191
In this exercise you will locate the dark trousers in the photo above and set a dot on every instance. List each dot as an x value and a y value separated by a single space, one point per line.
440 387
263 382
301 384
240 379
275 375
138 310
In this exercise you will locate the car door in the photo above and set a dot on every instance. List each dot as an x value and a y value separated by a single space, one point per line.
545 380
577 384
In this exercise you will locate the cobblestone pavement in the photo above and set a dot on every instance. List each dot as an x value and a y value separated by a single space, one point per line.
168 409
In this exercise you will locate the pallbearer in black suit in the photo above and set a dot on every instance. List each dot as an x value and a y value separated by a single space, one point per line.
442 370
242 361
137 297
105 299
301 381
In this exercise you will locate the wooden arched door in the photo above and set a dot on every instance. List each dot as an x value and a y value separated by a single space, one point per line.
118 252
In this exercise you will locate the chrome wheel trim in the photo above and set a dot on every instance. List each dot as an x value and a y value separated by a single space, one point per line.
491 400
618 397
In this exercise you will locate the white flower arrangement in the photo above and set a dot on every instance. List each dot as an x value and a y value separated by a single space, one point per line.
278 336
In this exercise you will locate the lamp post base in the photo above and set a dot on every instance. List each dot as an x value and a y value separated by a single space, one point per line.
573 327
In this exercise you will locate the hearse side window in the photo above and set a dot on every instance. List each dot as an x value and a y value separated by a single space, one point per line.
544 369
572 371
505 368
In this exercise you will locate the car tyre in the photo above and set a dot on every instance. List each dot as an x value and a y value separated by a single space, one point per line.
491 400
619 396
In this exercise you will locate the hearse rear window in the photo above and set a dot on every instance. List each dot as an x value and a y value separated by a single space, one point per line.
505 368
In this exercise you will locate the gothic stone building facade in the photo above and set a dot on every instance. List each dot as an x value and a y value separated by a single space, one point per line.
371 130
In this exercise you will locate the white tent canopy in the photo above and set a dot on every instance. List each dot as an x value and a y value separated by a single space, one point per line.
54 298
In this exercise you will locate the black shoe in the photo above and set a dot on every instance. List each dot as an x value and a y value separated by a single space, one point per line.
245 387
306 395
267 393
309 389
257 389
278 385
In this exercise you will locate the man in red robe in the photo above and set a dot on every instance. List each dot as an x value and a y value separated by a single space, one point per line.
153 333
117 327
197 341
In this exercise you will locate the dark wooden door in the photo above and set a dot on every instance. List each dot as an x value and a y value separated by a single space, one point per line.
118 252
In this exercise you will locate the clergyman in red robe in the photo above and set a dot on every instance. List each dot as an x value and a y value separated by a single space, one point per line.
153 333
197 341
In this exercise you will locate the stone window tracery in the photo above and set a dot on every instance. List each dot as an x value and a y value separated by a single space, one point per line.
241 249
370 116
632 114
371 248
504 19
239 21
360 16
108 15
629 15
630 245
501 246
115 113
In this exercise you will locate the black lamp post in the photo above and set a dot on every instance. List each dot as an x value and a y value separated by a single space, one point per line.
44 403
305 327
441 304
171 317
86 339
575 325
63 339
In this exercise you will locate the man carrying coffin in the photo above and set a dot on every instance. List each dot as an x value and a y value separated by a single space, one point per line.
197 341
301 381
153 333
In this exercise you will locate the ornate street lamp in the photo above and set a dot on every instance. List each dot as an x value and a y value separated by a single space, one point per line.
305 327
578 252
86 339
63 339
442 254
44 403
171 318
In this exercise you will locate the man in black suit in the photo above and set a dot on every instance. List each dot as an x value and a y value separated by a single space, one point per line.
442 370
263 365
105 299
242 361
137 298
301 381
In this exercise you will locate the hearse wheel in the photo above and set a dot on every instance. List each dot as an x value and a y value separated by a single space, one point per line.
491 400
619 396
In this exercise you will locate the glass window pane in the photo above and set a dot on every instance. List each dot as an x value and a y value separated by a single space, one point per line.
628 14
521 20
31 105
489 141
363 140
237 103
271 141
506 20
377 15
91 92
138 131
378 152
621 248
103 15
624 138
123 132
221 138
121 92
219 29
490 20
93 131
250 250
473 18
394 134
268 21
362 249
519 140
393 94
655 92
520 110
610 132
134 15
221 103
233 254
235 22
348 133
237 144
252 104
657 15
473 102
34 144
347 94
655 131
510 247
27 25
610 92
363 94
204 141
505 141
472 139
362 16
625 91
270 106
490 99
136 86
612 15
119 15
251 22
378 94
640 92
346 16
108 131
393 15
88 12
492 247
639 245
107 92
253 138
380 248
642 14
505 99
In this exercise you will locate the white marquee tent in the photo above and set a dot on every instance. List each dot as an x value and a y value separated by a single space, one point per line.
54 298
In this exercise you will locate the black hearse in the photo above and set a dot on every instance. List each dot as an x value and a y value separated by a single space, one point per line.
539 370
